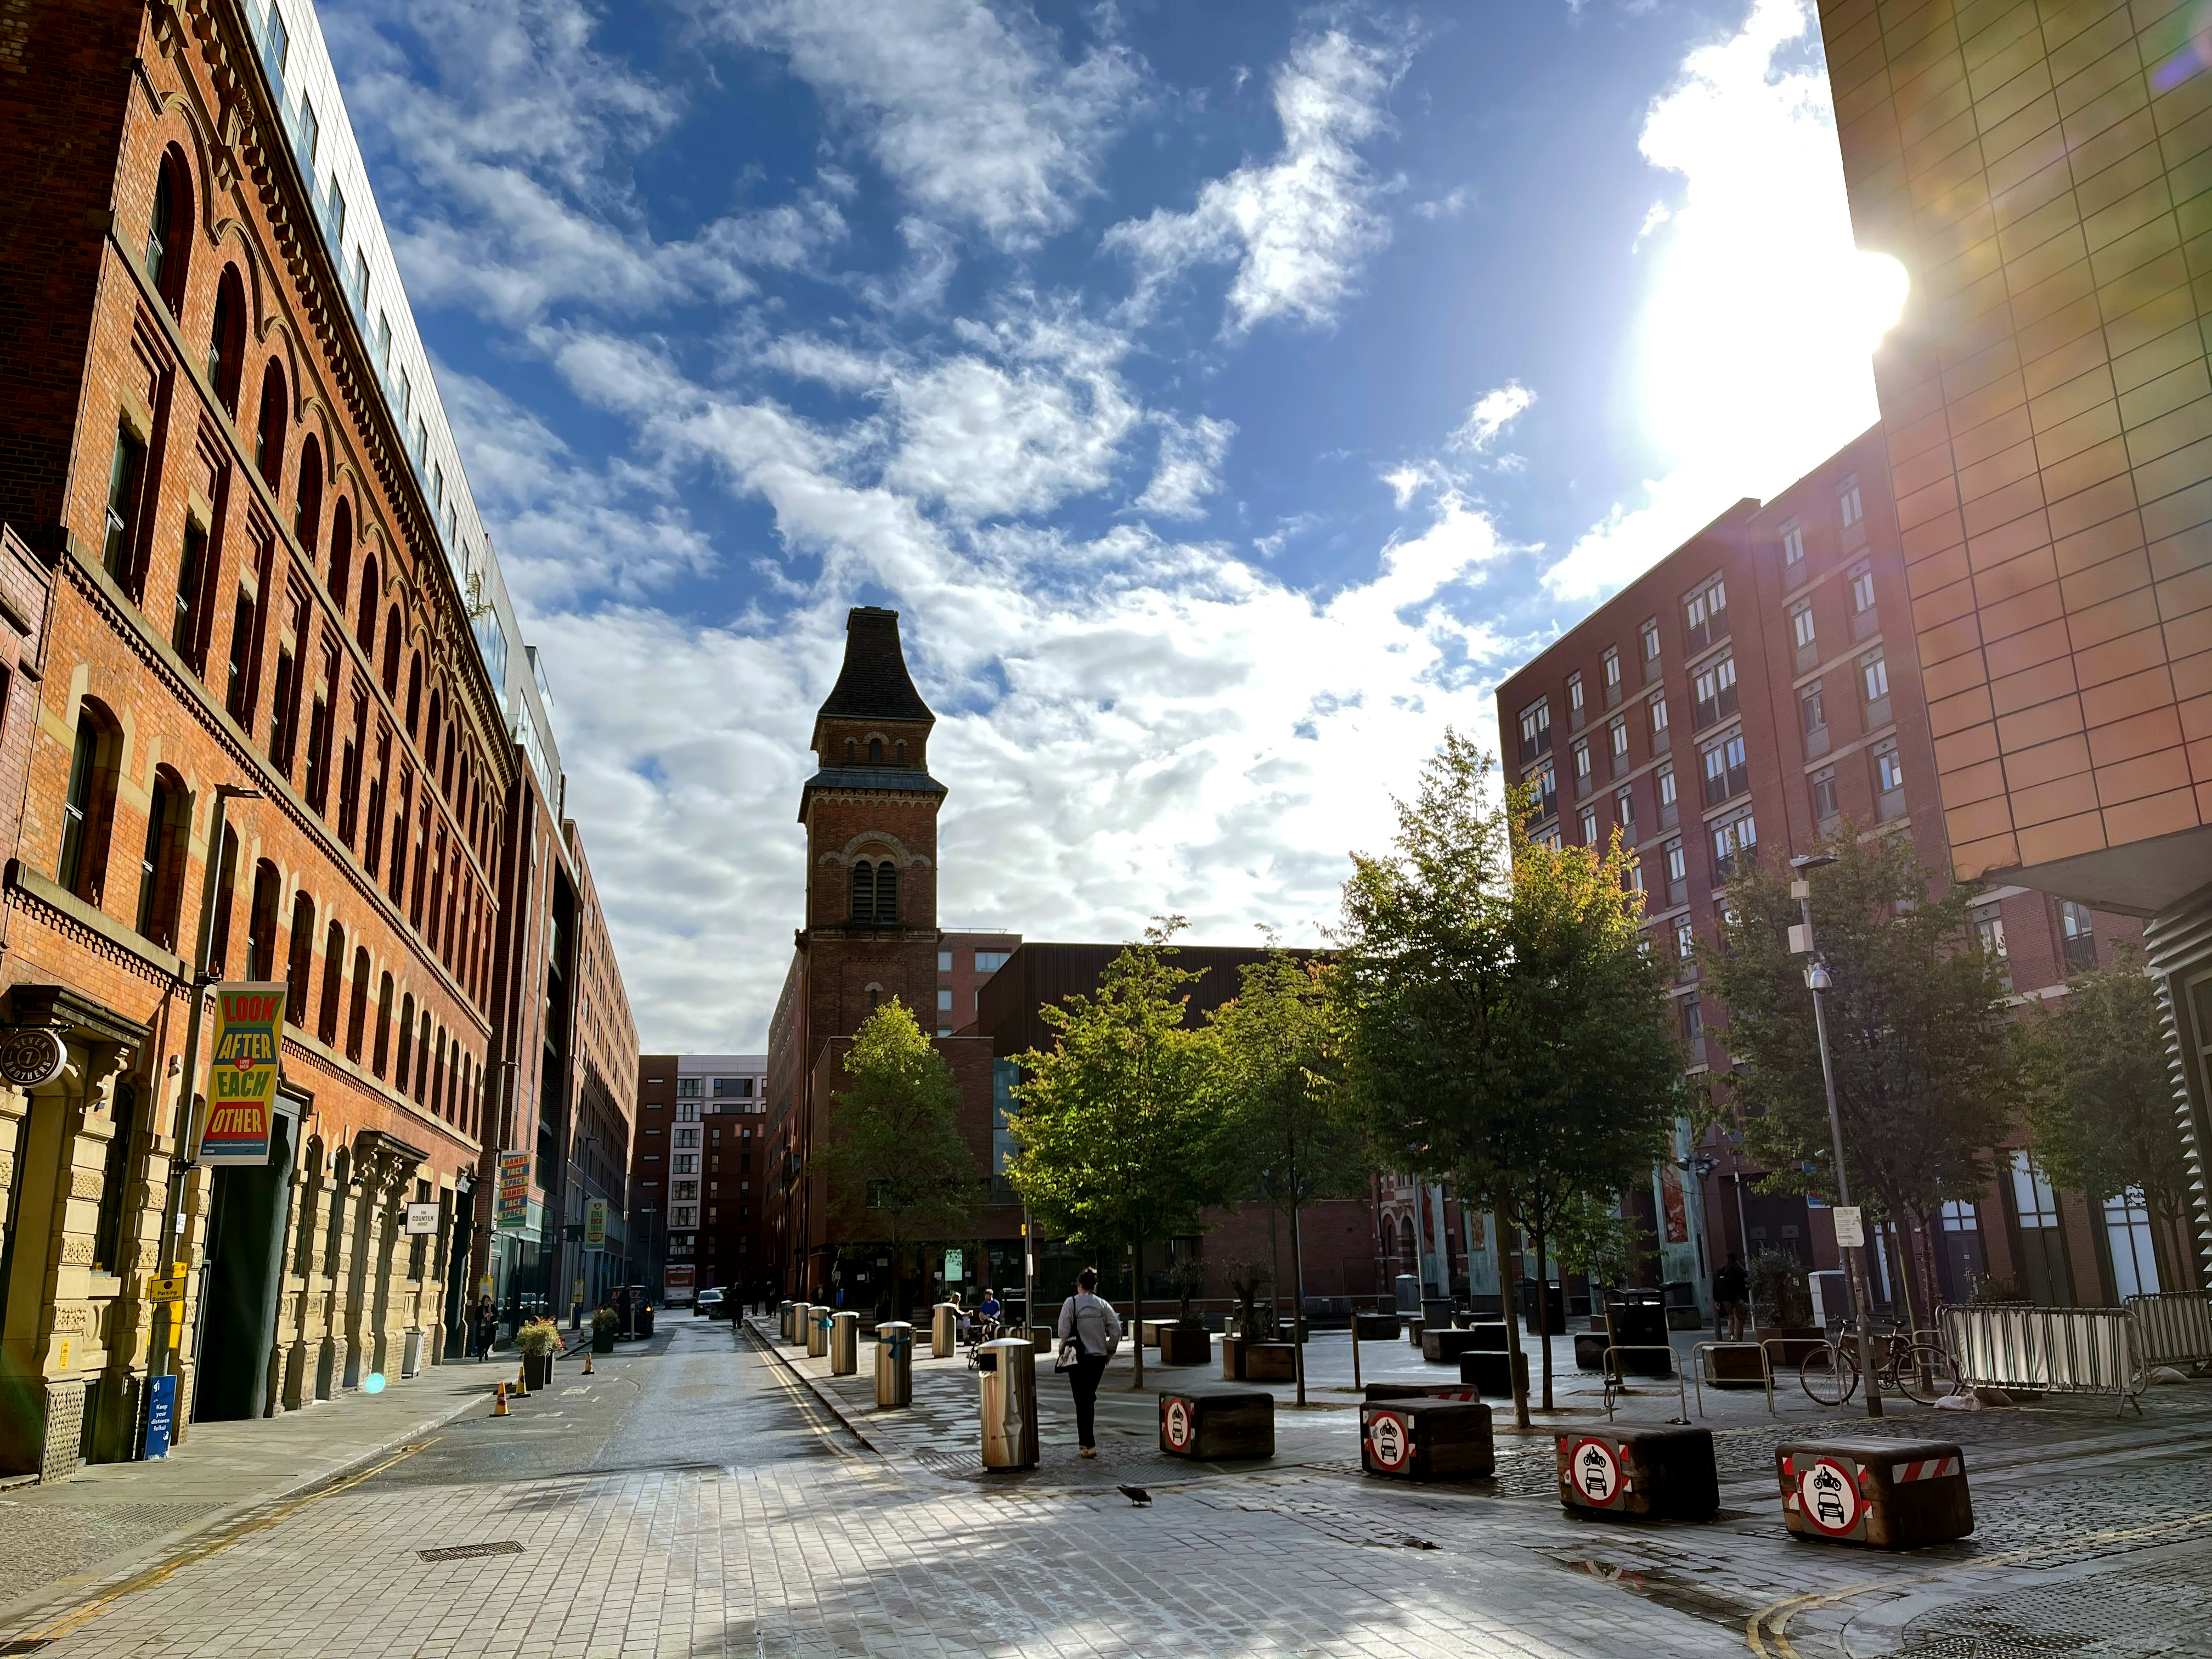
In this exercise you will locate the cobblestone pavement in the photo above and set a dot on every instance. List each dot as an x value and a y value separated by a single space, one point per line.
717 1507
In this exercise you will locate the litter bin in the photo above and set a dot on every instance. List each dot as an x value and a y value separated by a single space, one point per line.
1006 1369
783 1322
818 1331
944 1329
1639 1321
894 1363
1408 1288
794 1328
845 1345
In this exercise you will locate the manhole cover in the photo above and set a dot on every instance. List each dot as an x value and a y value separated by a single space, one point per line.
2154 1611
466 1551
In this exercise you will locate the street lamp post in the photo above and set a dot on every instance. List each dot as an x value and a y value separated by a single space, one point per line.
1817 981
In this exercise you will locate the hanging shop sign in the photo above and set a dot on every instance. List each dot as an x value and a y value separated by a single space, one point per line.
595 1224
512 1208
249 1023
31 1055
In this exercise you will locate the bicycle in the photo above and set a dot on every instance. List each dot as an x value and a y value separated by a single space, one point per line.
1914 1364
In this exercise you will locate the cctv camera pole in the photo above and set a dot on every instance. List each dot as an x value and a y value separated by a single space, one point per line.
1817 981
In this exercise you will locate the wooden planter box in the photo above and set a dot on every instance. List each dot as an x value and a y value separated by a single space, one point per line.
1180 1347
1243 1360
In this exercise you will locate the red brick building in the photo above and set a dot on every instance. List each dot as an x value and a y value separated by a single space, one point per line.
1757 686
238 553
699 1164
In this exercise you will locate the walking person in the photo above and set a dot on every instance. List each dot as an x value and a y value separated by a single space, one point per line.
1089 1325
486 1323
1731 1287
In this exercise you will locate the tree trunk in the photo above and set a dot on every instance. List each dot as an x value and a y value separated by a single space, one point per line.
1137 1304
1544 1315
1297 1292
1515 1373
1901 1247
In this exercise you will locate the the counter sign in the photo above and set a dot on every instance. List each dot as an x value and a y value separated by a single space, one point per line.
241 1097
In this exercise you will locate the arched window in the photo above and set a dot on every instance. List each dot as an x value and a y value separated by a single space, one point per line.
89 810
875 752
445 766
299 961
341 550
161 866
414 690
440 1106
1408 1254
341 1174
901 754
848 749
392 654
886 894
422 1061
406 1042
430 730
327 1016
864 890
367 634
307 517
875 997
226 890
225 356
357 1009
169 230
261 923
269 446
383 1025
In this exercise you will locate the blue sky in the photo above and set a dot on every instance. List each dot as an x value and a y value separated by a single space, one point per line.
1226 393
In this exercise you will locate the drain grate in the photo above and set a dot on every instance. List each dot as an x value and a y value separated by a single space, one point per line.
470 1552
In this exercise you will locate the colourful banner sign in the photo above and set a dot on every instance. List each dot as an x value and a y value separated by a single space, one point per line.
241 1097
595 1224
512 1214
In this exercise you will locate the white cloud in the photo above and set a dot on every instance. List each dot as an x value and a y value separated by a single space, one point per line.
1297 227
1493 411
1761 314
975 113
1191 453
1449 205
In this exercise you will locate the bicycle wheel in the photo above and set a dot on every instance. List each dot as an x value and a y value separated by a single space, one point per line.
1925 1377
1829 1374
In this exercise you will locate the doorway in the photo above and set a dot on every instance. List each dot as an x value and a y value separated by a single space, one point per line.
246 1222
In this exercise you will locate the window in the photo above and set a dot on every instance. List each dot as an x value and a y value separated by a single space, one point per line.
1548 792
327 1017
1704 615
1802 637
1589 826
1727 771
1582 765
1988 928
1873 675
1813 713
269 444
1666 786
1693 1025
1864 618
1678 866
2127 1232
192 578
299 960
318 755
1738 836
686 1138
126 474
1624 809
1685 948
1575 699
168 233
1715 690
261 923
1535 731
1793 543
875 893
162 864
238 696
281 718
2077 936
357 1005
307 510
1658 720
226 358
1888 778
989 962
944 962
1824 795
687 1111
1847 501
945 1001
1651 638
1619 737
1611 669
733 1088
88 808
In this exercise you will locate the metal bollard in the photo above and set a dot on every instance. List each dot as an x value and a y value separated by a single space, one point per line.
944 1330
797 1333
818 1331
1006 1369
894 1364
845 1345
783 1320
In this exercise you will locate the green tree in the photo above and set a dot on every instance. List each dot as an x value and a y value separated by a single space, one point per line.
2100 1109
1919 1031
1505 1024
1120 1137
1279 1080
897 1163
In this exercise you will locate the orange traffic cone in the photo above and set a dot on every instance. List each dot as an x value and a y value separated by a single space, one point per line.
587 1362
522 1383
499 1402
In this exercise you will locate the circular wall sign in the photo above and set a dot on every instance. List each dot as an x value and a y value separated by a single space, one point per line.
1595 1472
32 1056
1389 1440
1178 1424
1828 1495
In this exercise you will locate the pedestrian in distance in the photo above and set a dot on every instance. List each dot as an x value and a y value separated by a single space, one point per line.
486 1323
1089 1330
1731 1289
987 1312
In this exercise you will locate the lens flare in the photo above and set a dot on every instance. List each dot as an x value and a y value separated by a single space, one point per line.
373 1383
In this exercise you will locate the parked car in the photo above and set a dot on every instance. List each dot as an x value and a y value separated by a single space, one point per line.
715 1304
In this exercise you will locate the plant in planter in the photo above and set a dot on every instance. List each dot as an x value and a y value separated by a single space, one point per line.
1246 1280
1781 1304
537 1339
604 1323
1188 1276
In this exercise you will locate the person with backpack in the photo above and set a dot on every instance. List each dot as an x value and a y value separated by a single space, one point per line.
1089 1332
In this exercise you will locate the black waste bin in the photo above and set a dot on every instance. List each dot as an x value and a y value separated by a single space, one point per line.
1554 1298
1639 1321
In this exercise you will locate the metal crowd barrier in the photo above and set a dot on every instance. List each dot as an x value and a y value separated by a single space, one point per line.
1701 1365
1616 1381
2093 1351
2176 1326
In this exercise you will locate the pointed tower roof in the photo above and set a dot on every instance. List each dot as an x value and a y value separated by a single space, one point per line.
874 685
